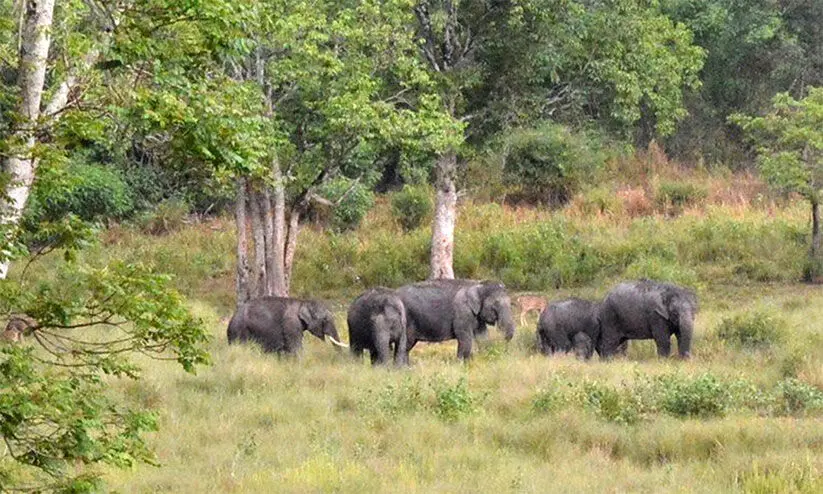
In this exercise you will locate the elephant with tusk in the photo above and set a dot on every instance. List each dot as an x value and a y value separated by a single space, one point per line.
277 323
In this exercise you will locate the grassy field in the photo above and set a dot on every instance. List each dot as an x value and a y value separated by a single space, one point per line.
733 419
744 415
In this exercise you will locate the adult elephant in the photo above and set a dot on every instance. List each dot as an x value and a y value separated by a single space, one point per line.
377 323
440 310
567 325
277 323
647 309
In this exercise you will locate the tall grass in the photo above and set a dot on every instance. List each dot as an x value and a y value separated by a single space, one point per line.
723 422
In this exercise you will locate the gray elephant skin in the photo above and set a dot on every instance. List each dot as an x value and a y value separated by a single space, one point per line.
647 309
277 323
440 310
377 323
568 325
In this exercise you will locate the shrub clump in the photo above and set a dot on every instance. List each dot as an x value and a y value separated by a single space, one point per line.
703 396
548 164
794 396
759 329
454 401
678 195
411 206
613 405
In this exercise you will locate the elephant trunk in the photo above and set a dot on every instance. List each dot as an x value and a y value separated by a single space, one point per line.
505 322
684 335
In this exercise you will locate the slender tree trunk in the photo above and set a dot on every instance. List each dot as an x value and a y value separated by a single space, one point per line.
20 165
291 245
242 281
814 271
258 264
445 215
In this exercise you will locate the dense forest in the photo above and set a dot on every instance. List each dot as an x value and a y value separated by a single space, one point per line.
165 161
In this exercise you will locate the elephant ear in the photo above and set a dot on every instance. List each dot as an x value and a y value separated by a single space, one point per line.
305 314
468 298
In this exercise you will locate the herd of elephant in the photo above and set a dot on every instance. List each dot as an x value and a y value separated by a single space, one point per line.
389 322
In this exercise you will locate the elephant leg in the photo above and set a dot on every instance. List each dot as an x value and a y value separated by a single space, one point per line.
356 350
609 343
542 344
684 343
464 345
401 353
662 338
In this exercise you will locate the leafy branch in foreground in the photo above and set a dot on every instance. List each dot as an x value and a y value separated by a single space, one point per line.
57 420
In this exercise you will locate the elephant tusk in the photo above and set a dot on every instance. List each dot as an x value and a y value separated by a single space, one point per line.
338 343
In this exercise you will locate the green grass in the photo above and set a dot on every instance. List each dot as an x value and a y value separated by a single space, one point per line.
735 418
510 421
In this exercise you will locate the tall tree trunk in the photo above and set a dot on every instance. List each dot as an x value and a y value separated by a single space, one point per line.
20 165
258 264
291 244
277 269
445 215
242 280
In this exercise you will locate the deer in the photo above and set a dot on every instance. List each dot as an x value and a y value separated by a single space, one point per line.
528 303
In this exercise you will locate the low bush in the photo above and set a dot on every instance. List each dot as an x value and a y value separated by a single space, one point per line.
453 401
611 404
757 329
412 206
674 196
704 396
793 396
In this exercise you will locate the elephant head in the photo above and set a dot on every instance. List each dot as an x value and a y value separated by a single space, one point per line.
490 304
318 320
679 306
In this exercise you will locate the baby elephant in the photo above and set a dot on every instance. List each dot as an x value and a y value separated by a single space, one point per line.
377 323
568 325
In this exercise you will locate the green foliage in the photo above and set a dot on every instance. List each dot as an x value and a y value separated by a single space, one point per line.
753 50
397 399
794 397
613 405
549 163
90 192
703 396
89 322
412 206
758 329
454 401
351 201
789 142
